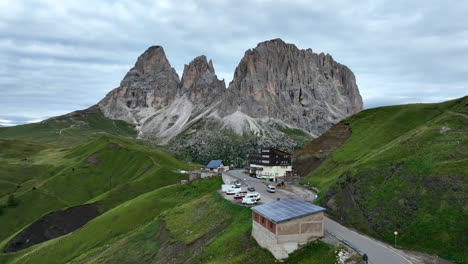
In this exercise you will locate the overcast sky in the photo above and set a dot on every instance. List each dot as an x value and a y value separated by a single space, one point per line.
58 56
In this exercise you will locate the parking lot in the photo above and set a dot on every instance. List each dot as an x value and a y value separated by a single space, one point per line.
260 186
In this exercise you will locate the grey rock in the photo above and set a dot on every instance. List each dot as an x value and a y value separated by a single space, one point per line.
280 82
276 85
200 82
149 86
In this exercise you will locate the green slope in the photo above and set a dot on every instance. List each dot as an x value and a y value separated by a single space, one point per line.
70 129
176 224
109 169
403 170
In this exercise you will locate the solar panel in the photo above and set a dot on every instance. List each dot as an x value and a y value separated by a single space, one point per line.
283 210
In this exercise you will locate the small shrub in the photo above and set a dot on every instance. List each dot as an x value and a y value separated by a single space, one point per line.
12 201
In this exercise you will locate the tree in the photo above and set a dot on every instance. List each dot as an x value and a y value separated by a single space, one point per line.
12 201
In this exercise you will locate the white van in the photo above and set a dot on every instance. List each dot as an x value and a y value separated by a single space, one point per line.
233 190
248 196
271 189
226 187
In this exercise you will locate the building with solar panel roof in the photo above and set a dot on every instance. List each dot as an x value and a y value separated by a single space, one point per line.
282 226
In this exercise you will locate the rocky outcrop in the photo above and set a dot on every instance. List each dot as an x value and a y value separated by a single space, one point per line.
149 86
280 82
275 85
200 83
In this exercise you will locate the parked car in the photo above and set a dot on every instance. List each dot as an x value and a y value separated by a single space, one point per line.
239 195
271 189
249 200
254 195
237 184
251 189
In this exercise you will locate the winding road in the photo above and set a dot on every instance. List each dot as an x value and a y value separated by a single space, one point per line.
377 252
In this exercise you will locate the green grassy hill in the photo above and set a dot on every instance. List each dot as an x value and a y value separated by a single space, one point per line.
146 216
70 129
175 224
404 168
45 178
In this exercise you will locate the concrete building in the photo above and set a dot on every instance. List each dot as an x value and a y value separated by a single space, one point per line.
217 166
282 226
270 163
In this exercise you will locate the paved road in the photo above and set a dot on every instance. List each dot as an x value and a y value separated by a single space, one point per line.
378 252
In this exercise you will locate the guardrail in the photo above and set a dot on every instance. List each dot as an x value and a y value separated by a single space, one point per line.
365 258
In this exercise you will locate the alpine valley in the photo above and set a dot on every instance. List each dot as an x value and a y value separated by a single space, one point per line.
280 96
103 184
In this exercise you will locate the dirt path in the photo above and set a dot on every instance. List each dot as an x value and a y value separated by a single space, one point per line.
459 114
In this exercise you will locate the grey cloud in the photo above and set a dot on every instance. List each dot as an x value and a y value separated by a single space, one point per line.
59 56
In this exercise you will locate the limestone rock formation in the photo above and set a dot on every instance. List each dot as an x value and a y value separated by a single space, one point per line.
280 82
277 90
149 86
200 82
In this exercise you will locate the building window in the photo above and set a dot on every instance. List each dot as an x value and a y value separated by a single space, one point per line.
263 220
271 225
256 217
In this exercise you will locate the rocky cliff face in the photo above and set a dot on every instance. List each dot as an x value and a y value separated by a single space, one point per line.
276 88
280 82
149 86
200 82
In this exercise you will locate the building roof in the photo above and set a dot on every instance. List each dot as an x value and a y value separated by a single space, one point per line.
287 209
214 164
278 150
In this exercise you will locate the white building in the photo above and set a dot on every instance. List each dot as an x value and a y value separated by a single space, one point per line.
270 163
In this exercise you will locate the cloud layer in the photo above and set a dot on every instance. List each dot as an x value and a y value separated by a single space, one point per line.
60 56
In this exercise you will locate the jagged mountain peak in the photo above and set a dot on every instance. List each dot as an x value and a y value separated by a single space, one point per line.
280 82
277 42
153 60
274 83
200 82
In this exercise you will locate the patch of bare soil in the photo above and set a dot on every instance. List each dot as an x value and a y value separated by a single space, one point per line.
92 159
247 242
177 252
53 225
114 145
315 152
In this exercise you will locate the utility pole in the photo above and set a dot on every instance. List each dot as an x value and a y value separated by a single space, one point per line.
396 234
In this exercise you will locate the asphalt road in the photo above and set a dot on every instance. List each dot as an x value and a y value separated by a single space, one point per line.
378 252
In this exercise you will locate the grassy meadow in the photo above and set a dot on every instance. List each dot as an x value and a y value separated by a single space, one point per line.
404 168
